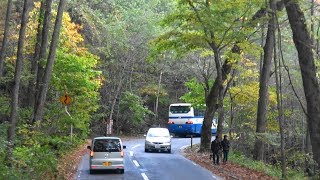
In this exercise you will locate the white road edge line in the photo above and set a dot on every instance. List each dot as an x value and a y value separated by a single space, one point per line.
145 177
184 147
214 177
136 163
131 153
136 146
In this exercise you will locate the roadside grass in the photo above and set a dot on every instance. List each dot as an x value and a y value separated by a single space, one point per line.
274 171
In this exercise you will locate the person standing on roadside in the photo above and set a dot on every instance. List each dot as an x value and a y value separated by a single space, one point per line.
215 149
225 147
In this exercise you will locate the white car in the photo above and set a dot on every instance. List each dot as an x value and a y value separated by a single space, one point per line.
158 139
106 153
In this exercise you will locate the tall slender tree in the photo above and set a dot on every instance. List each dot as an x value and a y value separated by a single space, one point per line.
264 83
5 36
17 76
278 75
34 60
51 57
42 56
303 43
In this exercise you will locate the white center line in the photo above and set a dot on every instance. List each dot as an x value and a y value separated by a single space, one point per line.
145 177
136 163
131 153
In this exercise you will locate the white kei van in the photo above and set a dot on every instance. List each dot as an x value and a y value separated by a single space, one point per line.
106 153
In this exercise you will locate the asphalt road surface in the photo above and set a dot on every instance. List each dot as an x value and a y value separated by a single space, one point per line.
140 165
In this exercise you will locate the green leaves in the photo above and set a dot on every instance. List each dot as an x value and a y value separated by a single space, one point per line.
194 24
132 105
195 96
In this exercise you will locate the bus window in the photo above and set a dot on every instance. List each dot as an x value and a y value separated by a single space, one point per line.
179 109
198 112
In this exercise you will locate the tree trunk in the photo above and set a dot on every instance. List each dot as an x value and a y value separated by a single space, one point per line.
51 58
211 101
303 45
157 99
231 117
312 22
42 55
264 82
5 36
15 92
278 76
34 61
118 90
221 113
317 41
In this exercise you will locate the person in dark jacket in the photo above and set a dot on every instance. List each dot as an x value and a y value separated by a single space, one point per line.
216 148
225 147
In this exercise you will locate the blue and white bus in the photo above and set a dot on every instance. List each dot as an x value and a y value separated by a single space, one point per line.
185 120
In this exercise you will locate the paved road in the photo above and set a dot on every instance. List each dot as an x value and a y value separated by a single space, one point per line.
140 165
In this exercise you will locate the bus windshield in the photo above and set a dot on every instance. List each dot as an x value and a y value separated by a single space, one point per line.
179 109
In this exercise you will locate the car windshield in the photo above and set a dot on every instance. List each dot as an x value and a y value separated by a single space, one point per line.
157 134
107 145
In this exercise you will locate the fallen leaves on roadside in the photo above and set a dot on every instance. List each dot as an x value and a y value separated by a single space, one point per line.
227 171
68 167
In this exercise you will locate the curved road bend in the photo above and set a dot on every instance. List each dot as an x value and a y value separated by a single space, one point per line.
140 165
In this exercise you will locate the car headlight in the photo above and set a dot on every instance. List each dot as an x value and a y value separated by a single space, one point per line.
148 142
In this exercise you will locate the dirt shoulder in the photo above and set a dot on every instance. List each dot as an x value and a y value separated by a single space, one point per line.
227 171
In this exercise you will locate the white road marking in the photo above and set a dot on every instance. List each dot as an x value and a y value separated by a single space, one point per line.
145 177
136 163
184 147
194 164
131 153
214 177
136 146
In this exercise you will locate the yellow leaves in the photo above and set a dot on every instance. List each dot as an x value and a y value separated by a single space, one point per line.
249 63
71 33
37 4
70 38
206 53
245 94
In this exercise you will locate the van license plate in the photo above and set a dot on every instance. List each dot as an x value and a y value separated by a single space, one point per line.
106 163
157 146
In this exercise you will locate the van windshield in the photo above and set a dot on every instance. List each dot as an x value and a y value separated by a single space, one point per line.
107 145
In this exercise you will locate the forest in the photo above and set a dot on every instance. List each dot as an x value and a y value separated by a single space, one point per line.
251 64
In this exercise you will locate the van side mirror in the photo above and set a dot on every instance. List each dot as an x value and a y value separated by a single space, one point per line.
124 146
171 136
145 135
89 147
